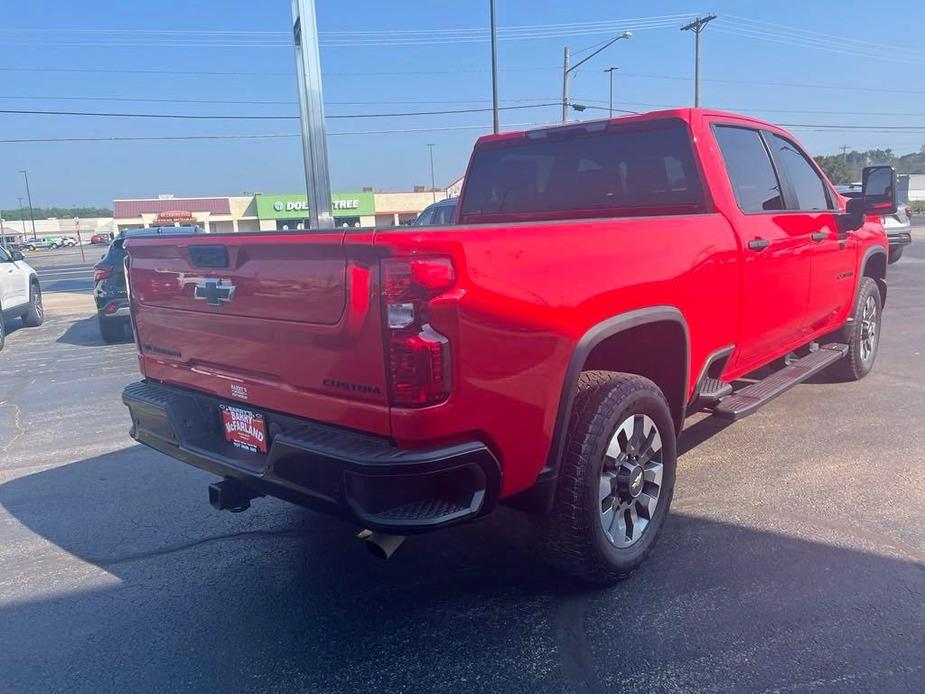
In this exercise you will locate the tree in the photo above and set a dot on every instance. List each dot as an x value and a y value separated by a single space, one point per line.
59 212
839 171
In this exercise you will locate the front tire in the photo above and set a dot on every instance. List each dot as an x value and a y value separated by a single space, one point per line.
862 334
616 478
895 255
35 316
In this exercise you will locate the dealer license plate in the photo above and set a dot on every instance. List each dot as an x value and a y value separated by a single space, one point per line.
245 429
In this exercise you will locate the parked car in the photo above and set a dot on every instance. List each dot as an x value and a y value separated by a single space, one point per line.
605 279
43 244
64 242
442 212
99 239
20 292
898 226
112 309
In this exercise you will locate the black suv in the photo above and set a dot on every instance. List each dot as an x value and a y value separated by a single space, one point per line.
109 290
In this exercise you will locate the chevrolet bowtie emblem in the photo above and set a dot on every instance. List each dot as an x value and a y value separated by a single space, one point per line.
214 292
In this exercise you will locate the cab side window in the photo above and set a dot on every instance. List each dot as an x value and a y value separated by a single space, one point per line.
751 173
809 190
4 256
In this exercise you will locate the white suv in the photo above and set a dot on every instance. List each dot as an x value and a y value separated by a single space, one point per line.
20 293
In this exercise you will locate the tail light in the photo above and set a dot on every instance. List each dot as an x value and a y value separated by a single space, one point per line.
101 272
419 356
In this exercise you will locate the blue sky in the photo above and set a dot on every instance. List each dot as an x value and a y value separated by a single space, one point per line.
752 58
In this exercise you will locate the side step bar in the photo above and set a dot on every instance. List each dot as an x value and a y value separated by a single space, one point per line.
750 398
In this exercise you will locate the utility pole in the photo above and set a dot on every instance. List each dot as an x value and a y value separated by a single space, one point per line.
611 70
697 26
29 197
433 180
496 123
565 71
844 153
311 110
568 69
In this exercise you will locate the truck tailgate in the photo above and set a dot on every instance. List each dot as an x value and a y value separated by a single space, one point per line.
282 321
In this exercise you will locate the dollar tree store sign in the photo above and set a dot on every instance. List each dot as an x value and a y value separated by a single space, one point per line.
296 206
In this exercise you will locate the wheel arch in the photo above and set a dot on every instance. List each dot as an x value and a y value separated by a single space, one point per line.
873 265
618 343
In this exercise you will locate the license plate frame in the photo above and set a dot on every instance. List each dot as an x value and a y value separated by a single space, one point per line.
244 429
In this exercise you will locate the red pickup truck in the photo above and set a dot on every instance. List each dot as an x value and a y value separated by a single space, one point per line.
604 280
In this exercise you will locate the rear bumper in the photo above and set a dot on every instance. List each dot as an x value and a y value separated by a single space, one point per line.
114 308
356 476
897 239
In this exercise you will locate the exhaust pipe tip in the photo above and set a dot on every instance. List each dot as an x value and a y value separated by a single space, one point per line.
382 545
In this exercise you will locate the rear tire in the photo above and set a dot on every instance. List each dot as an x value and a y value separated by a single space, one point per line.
616 478
111 330
862 334
35 316
895 254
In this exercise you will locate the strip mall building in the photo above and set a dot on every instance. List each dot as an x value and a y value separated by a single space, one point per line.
264 212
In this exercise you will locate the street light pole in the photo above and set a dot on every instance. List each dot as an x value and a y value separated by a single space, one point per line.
311 111
611 70
433 179
568 69
496 123
29 197
697 26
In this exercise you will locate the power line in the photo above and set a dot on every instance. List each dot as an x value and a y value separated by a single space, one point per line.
278 102
791 39
247 32
381 37
198 116
801 85
240 73
256 136
486 128
634 75
749 109
830 38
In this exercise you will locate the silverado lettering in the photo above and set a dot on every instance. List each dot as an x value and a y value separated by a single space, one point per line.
604 280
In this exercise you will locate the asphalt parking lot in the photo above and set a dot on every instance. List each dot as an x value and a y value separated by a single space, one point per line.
794 558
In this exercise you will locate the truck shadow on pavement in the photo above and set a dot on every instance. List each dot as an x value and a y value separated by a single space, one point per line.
86 333
119 577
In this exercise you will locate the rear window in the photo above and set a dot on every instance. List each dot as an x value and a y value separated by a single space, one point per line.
624 170
116 251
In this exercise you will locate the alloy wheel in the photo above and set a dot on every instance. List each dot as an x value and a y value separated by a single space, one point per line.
869 334
631 480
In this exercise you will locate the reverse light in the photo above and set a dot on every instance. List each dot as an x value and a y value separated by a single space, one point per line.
419 356
101 272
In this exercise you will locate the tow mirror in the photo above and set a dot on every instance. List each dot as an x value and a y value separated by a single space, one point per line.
878 192
16 255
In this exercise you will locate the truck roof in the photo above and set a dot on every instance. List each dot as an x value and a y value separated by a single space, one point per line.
685 114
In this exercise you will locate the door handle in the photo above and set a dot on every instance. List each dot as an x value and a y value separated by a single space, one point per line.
820 235
758 244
